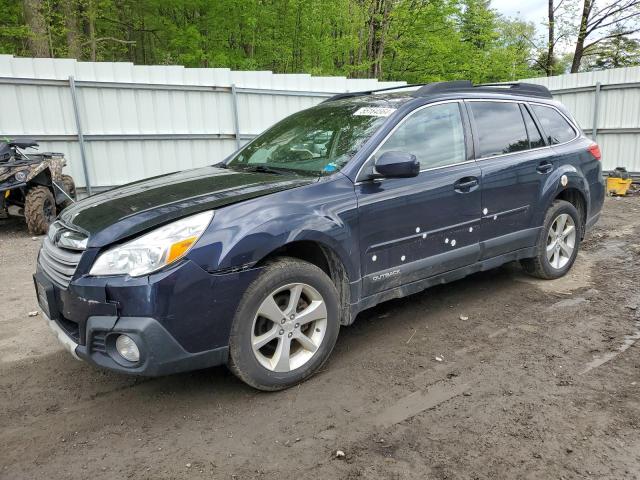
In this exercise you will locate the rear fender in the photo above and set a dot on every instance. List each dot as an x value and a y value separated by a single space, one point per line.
554 187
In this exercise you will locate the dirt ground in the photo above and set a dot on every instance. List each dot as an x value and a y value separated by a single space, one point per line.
494 376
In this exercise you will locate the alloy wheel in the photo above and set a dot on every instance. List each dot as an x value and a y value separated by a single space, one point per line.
289 327
561 241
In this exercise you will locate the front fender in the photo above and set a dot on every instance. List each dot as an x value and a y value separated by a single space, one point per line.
241 235
252 246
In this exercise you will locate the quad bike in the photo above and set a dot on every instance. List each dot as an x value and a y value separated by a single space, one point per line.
32 185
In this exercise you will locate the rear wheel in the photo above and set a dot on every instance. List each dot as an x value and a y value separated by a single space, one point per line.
285 327
39 210
69 187
558 242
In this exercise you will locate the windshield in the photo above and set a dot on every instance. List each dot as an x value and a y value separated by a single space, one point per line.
317 141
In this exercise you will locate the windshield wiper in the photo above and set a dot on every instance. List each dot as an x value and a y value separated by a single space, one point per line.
262 169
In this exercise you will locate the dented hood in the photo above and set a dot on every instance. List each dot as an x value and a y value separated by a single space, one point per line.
131 209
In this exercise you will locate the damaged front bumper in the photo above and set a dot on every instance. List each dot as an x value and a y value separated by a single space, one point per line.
180 319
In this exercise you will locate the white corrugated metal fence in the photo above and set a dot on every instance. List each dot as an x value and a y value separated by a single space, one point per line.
138 121
606 104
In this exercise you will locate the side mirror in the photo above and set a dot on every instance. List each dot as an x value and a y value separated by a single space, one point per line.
396 165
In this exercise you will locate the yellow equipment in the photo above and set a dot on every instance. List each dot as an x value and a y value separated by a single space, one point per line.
618 186
618 181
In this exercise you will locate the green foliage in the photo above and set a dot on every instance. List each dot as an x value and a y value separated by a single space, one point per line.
615 52
13 31
412 40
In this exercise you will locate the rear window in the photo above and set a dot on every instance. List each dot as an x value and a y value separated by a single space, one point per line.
500 128
555 126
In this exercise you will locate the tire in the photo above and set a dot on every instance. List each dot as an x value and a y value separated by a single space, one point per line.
39 210
266 367
554 257
70 187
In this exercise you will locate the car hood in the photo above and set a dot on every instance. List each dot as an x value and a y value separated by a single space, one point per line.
125 211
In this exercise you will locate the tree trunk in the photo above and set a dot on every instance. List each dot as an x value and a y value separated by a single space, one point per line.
551 40
34 19
378 23
73 33
89 28
582 35
92 38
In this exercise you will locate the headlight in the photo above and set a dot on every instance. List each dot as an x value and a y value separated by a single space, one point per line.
20 176
153 250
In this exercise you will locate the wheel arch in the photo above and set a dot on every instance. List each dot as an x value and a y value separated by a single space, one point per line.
575 191
325 258
42 178
576 198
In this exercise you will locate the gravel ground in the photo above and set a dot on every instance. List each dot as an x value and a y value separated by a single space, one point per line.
494 376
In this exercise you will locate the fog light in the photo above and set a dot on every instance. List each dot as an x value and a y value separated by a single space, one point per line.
127 348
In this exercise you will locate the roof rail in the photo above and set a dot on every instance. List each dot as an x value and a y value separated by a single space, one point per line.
518 88
340 96
514 88
442 87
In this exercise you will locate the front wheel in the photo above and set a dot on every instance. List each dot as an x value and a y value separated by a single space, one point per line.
285 327
39 210
558 242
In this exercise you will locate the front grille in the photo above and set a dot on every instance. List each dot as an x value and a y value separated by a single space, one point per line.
58 263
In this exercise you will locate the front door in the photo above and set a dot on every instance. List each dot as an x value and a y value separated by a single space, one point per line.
414 228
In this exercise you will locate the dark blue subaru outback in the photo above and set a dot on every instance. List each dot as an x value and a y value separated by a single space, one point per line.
256 262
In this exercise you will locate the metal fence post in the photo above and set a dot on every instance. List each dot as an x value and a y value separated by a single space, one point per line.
596 108
83 155
236 121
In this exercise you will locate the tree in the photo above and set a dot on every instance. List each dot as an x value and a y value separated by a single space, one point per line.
478 23
598 21
72 28
615 52
551 39
414 40
13 31
34 18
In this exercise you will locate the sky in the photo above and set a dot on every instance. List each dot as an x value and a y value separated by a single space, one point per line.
534 11
530 10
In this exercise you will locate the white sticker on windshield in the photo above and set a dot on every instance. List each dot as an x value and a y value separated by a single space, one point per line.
375 111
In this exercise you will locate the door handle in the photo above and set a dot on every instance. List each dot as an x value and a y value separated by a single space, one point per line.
545 167
464 185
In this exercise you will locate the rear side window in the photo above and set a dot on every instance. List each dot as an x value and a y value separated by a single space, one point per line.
500 128
535 139
434 135
555 126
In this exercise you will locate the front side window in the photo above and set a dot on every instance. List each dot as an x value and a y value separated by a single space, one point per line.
316 141
500 128
555 126
435 135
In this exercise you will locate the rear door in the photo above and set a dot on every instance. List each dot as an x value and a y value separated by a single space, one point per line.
413 228
515 162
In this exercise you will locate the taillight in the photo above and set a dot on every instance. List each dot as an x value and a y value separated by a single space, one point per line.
594 149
